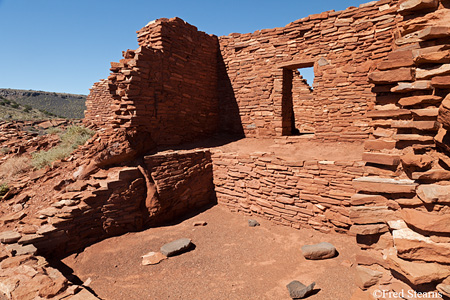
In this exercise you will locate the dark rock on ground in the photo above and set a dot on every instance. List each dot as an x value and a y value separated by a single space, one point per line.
298 290
253 223
176 247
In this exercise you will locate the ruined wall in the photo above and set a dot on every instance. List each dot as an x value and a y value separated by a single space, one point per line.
98 105
343 46
168 86
403 200
183 182
304 193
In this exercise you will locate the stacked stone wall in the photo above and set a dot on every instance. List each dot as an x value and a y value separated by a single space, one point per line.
402 202
343 46
168 86
305 193
98 105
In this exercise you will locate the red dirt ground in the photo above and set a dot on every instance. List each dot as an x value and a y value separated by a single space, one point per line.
231 261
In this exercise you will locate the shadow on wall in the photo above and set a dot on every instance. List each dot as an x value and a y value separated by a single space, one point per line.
229 117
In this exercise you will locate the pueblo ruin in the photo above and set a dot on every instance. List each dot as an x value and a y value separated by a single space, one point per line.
189 119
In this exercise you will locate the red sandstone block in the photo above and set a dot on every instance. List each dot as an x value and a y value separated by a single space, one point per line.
441 81
379 144
391 76
381 158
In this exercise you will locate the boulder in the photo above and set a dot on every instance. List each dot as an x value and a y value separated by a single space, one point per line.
176 247
298 290
319 251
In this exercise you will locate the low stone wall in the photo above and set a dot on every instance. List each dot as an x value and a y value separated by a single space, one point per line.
83 211
306 193
183 182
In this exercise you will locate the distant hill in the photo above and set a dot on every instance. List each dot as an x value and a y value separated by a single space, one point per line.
58 104
11 110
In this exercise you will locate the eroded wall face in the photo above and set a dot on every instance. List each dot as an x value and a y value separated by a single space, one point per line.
298 193
98 105
168 86
403 200
343 46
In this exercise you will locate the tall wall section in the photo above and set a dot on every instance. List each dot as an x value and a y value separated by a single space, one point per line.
167 87
342 46
402 213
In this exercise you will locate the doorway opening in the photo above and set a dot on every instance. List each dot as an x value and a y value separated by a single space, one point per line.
297 99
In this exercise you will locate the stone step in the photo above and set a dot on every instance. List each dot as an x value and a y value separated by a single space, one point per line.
388 113
426 112
419 85
420 125
415 100
381 158
384 185
412 137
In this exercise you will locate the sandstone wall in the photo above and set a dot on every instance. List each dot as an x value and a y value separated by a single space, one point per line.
183 182
403 199
168 86
343 46
306 193
98 105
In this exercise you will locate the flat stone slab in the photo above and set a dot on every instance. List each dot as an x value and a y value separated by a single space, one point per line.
8 237
298 290
18 250
176 247
153 258
319 251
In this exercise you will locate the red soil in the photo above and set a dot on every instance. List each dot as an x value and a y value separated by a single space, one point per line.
231 261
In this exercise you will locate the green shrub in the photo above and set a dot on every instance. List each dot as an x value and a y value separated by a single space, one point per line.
15 105
70 140
3 190
27 108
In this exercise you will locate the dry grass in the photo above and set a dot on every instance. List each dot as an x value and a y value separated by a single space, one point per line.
70 140
12 167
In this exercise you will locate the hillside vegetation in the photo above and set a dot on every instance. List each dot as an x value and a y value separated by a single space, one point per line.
50 104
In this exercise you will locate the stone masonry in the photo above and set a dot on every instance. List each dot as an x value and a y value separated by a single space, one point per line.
382 78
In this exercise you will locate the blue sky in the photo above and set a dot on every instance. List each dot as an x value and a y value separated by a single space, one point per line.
66 46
